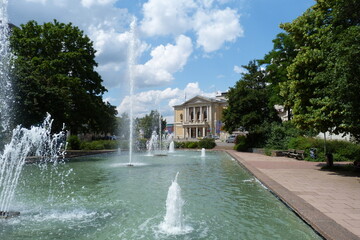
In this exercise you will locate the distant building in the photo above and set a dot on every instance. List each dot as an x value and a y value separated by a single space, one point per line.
199 117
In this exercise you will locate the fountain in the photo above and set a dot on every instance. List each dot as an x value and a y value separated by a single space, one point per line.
152 144
173 220
119 202
131 65
38 142
172 147
203 153
5 59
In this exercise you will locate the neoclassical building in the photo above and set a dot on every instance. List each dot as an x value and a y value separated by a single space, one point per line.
199 117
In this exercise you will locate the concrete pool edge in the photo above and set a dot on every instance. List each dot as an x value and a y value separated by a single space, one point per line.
321 223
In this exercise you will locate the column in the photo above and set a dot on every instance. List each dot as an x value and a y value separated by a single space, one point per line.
196 132
210 120
183 132
203 132
207 113
201 115
193 113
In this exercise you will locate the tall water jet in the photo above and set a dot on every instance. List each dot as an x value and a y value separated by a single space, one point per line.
203 153
173 220
160 131
5 62
37 142
172 147
152 144
131 66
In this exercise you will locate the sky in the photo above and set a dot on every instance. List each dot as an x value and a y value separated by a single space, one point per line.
183 48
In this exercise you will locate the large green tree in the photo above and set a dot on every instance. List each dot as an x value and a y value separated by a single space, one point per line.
249 106
54 72
325 74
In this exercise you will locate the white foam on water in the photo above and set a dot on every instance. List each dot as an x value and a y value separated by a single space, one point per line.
64 216
173 223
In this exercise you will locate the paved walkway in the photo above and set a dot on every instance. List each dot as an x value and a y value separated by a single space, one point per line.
328 201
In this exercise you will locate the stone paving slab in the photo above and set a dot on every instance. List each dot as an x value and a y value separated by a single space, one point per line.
328 201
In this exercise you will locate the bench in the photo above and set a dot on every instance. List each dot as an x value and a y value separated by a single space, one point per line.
293 153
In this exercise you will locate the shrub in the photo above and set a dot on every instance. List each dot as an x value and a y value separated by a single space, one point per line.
124 144
302 143
110 144
277 138
344 151
280 135
341 150
99 145
73 142
94 145
191 144
207 143
179 144
241 144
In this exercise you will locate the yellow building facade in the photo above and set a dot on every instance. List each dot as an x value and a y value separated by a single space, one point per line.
199 117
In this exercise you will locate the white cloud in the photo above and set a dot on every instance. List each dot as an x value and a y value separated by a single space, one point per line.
165 60
162 100
166 17
108 26
216 27
112 53
37 1
90 3
212 26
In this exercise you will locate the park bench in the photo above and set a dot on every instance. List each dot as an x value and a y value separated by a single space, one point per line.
293 153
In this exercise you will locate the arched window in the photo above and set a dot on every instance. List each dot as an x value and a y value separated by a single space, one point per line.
181 117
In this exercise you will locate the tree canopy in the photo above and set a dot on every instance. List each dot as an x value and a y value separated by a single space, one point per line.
325 74
276 63
248 101
54 72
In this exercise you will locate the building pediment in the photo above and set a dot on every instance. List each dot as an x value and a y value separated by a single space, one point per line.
198 100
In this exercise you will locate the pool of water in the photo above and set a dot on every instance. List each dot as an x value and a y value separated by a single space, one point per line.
100 197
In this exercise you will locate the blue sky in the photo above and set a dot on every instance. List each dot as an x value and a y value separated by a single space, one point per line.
184 47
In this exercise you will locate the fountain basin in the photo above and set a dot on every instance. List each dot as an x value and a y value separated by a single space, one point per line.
107 200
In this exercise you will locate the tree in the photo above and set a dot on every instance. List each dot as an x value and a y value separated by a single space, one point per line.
277 62
150 123
54 72
324 76
248 101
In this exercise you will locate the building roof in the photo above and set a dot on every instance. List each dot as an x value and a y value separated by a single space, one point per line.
201 99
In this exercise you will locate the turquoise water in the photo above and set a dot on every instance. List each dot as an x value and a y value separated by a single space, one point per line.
100 197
